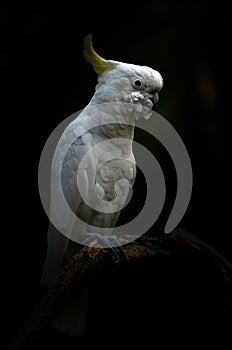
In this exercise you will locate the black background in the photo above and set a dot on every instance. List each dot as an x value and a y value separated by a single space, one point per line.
45 79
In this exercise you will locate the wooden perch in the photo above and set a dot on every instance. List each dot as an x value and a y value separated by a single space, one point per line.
174 257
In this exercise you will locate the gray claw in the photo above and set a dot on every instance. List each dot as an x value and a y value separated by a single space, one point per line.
110 241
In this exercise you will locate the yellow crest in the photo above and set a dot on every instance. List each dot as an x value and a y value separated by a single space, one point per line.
99 64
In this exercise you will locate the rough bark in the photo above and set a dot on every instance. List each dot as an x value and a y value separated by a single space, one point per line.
175 263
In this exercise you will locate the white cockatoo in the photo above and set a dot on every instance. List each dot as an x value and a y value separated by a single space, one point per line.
104 175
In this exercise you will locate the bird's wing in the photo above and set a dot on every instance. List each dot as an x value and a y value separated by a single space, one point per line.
73 145
69 152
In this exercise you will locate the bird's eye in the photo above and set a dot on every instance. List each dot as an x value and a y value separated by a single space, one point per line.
138 83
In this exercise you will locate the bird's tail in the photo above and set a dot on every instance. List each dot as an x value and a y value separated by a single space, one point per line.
57 245
73 320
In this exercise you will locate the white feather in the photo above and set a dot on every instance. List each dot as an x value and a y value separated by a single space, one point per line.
113 176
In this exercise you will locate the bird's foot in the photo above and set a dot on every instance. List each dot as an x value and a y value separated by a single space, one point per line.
97 240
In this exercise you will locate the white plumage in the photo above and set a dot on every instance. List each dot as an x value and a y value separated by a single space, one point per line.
110 166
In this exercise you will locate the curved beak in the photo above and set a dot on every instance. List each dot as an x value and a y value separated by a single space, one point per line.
155 100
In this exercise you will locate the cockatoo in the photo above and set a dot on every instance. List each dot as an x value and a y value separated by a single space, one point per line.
113 164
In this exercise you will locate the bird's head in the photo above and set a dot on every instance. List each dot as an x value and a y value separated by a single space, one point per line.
123 82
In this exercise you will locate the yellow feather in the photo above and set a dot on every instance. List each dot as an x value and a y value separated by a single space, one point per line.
99 64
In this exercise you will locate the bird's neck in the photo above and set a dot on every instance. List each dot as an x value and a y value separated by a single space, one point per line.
115 130
114 119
